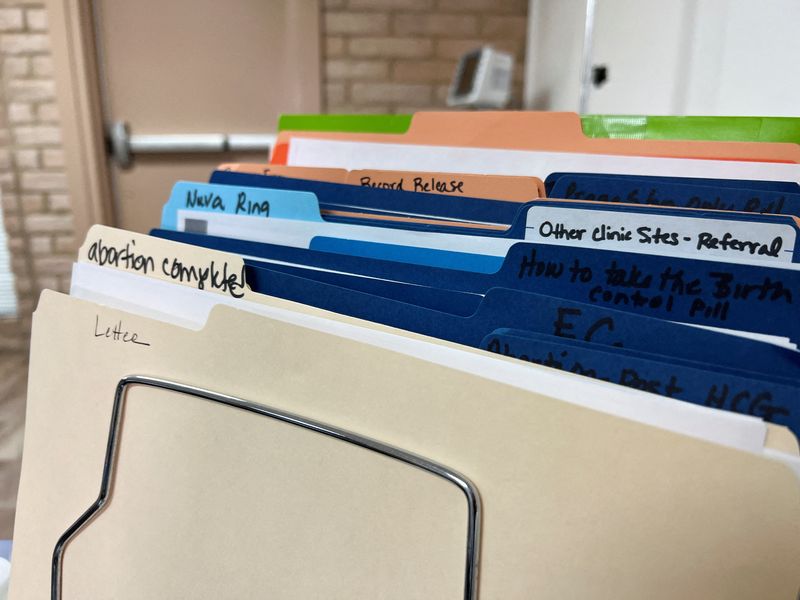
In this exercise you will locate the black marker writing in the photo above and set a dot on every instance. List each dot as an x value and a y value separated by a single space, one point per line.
675 282
631 378
555 361
248 207
210 200
648 236
211 276
562 326
124 258
715 204
530 267
745 401
607 233
622 277
709 241
579 273
741 399
116 333
432 184
631 197
560 231
636 299
754 204
724 287
367 181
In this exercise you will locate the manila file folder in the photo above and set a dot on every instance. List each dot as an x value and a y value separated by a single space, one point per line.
209 501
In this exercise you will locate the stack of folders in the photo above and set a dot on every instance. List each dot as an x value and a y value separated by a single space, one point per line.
486 357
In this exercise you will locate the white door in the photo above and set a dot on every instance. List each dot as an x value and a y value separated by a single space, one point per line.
699 57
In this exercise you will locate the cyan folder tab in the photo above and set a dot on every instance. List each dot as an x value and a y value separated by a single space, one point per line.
665 193
758 299
253 202
728 129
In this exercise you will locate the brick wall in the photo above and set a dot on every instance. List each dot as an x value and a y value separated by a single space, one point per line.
35 203
399 56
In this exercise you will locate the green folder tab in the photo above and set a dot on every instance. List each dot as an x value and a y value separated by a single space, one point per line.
345 123
730 129
637 127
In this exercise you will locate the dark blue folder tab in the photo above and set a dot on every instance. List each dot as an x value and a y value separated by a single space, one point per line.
470 317
667 193
774 400
448 301
790 187
758 299
340 196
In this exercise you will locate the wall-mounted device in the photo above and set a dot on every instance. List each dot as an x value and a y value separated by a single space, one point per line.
482 79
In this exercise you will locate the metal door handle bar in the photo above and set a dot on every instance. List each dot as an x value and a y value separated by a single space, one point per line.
123 146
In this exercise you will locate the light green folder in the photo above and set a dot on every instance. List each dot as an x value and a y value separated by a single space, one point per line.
729 129
345 123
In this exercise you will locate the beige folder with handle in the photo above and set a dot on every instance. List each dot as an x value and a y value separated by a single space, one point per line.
208 502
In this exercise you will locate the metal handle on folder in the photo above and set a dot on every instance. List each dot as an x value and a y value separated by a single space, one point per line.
123 145
470 492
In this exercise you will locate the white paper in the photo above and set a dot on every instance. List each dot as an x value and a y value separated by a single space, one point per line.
298 234
725 240
311 152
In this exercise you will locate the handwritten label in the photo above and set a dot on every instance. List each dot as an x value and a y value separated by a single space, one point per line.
214 275
653 197
428 184
117 333
660 234
213 201
569 324
736 394
367 181
665 290
125 257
